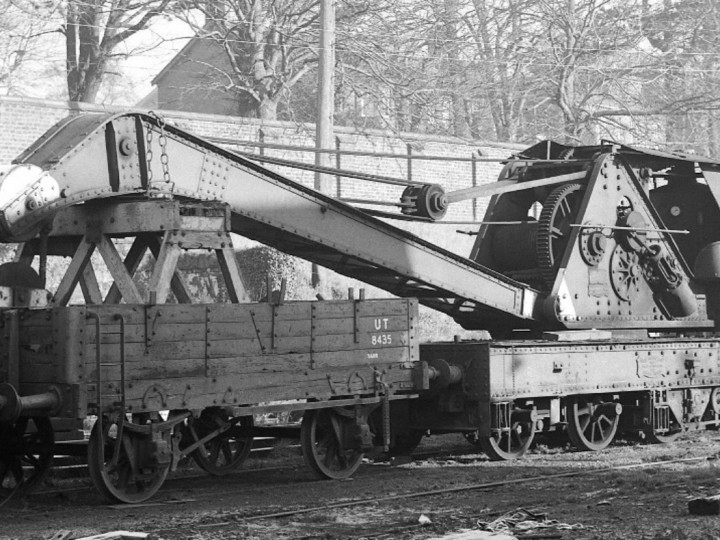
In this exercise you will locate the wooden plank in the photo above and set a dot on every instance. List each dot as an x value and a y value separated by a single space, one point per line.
401 356
135 333
323 310
90 287
72 275
165 314
177 283
342 342
152 368
204 392
233 313
165 265
193 239
132 263
232 274
366 341
242 329
261 311
368 325
136 352
118 271
248 347
189 342
203 223
117 218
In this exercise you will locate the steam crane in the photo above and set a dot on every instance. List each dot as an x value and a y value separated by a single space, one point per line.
596 271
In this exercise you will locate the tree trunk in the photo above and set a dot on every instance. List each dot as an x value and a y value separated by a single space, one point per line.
84 86
267 109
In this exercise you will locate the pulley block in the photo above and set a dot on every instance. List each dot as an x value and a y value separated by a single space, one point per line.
427 201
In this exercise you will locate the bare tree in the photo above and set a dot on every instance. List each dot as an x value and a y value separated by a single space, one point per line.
94 30
504 58
267 47
397 64
686 37
23 38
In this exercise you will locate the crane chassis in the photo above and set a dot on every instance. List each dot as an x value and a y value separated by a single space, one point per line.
596 270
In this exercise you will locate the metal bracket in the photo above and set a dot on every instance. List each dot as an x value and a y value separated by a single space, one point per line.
150 323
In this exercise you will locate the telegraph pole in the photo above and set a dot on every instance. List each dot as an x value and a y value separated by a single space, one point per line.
325 105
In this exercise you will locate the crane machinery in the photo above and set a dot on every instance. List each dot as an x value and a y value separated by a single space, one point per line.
596 271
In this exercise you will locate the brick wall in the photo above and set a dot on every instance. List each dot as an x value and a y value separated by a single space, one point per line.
22 121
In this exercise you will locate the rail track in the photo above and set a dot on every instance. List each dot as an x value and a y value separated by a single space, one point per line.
456 455
450 482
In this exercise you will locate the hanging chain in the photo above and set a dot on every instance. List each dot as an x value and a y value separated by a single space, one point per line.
148 154
164 159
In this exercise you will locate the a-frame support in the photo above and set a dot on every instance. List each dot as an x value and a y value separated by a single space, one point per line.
80 232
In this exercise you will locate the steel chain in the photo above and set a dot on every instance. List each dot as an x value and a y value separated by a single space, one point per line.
164 159
148 153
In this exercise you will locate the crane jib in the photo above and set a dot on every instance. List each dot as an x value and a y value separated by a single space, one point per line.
89 157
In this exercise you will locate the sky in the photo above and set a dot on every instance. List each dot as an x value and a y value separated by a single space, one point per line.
149 51
42 74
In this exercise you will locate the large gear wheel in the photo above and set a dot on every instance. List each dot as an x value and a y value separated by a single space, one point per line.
553 230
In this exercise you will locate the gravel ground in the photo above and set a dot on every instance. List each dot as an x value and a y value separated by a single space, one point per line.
629 491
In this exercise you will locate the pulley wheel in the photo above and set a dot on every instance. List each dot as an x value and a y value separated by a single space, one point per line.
427 201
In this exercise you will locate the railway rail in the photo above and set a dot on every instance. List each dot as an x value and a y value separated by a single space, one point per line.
299 515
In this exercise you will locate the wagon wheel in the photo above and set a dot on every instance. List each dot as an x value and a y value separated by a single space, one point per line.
509 441
403 444
676 430
330 443
590 425
666 438
403 440
228 450
26 453
120 462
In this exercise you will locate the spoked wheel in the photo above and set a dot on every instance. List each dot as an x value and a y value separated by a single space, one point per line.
510 441
226 451
121 463
26 452
330 443
591 423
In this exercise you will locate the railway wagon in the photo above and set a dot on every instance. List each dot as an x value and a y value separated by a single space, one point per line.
505 393
172 379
